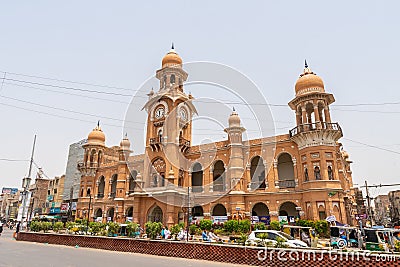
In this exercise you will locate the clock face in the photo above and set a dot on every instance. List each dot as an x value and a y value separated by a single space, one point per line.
159 113
183 114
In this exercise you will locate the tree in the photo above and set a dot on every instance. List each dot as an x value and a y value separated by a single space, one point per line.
205 224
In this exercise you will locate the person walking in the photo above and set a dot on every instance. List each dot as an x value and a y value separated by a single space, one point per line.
17 228
1 228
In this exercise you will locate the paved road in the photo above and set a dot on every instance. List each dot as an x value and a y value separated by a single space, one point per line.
26 254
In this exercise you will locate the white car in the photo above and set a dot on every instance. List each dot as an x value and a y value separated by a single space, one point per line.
272 236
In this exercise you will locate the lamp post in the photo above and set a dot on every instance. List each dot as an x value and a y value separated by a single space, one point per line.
188 214
25 185
88 214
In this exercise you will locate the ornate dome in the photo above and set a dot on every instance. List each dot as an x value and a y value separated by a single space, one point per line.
97 137
308 82
171 59
125 143
234 119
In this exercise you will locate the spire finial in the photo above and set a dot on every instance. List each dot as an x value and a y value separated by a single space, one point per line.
98 123
305 63
172 47
233 109
126 135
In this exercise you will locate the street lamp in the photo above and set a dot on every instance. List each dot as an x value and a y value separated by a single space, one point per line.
88 214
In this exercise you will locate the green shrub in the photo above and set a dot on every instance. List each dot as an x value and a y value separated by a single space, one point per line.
35 226
70 225
45 226
231 226
397 246
244 226
275 225
260 226
58 226
205 224
153 229
193 229
176 229
131 228
280 243
96 227
113 228
322 227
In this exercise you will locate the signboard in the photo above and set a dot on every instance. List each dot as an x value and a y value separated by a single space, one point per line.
9 191
64 207
264 219
283 220
73 206
219 219
331 218
128 219
21 207
50 198
55 210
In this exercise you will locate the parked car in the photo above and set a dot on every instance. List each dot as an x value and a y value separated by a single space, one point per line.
272 237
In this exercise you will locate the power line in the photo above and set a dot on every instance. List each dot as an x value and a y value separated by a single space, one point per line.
69 81
13 160
372 146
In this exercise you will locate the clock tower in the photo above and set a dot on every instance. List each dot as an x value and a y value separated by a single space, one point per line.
169 123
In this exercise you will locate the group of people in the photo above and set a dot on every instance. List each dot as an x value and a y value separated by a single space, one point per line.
210 236
10 225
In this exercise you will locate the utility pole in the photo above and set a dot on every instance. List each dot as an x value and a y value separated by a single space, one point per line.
188 214
369 211
25 184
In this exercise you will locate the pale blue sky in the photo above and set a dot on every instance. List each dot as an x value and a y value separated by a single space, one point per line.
352 45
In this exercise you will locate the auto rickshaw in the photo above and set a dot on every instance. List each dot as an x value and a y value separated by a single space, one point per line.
379 239
303 233
344 236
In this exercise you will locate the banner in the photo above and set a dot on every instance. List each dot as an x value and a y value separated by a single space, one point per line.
64 207
9 191
27 201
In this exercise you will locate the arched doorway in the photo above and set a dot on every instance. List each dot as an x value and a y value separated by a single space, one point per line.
219 176
98 214
219 210
155 215
286 171
288 209
260 209
197 211
197 178
257 173
110 215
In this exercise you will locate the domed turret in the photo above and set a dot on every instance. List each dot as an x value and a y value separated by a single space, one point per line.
125 144
172 59
308 82
234 119
97 137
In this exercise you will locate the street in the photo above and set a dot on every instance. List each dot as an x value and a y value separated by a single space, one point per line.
18 253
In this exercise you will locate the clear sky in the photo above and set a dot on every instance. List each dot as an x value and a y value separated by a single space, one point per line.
352 45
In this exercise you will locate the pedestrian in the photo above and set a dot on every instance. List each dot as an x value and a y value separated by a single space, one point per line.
17 228
204 236
1 227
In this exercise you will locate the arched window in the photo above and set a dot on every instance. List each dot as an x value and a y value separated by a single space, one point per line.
197 178
288 209
100 191
286 171
98 213
129 212
155 215
158 172
99 158
110 215
317 173
155 180
160 136
92 155
260 209
219 176
330 173
257 173
82 192
172 79
180 178
132 181
114 185
305 173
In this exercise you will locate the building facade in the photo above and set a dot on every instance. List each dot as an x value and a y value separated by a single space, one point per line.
382 210
309 175
394 202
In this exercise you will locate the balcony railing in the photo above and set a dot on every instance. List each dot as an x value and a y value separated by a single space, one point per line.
287 183
315 126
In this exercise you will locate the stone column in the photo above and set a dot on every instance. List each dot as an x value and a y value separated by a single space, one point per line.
317 118
327 114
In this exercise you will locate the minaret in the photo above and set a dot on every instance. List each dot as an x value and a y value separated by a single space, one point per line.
236 165
315 134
